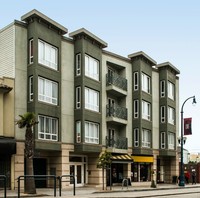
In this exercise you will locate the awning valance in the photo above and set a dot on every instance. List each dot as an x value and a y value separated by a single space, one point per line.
121 159
147 159
7 146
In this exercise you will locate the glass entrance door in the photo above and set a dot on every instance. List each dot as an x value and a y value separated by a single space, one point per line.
77 171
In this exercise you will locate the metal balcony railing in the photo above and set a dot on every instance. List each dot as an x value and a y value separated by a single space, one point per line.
116 111
116 80
119 143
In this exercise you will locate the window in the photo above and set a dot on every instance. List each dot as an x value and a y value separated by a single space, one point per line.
171 141
47 128
146 110
78 131
146 138
135 76
145 83
91 132
91 67
162 140
136 108
30 51
91 99
136 137
48 55
78 97
171 90
162 88
47 91
162 114
78 64
31 88
171 115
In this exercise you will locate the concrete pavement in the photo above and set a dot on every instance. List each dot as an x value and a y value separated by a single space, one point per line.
139 189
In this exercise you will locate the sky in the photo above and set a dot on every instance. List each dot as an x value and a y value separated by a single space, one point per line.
166 30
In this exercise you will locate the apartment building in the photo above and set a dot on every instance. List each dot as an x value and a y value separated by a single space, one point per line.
87 100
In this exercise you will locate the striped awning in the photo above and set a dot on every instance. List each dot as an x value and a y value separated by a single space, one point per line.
121 159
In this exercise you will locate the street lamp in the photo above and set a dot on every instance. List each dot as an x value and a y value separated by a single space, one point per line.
181 181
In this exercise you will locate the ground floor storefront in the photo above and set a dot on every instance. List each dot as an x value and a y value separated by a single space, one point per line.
83 166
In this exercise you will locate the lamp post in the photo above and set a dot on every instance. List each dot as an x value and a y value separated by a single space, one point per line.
181 181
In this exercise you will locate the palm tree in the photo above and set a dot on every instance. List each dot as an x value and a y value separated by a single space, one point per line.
28 120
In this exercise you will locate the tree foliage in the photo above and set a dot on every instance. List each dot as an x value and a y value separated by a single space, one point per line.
104 160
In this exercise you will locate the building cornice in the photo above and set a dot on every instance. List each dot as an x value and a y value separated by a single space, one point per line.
85 32
168 65
144 55
28 17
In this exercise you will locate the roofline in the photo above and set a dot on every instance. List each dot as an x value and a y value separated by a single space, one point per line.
141 53
170 65
35 12
84 31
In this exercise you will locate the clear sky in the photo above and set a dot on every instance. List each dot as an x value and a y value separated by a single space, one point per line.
166 30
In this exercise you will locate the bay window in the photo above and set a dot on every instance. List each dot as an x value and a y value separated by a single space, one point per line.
171 115
162 140
47 55
145 83
47 128
171 90
91 99
91 132
146 110
47 91
136 137
171 140
91 67
146 138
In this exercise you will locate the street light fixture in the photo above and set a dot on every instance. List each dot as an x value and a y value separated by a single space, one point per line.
181 181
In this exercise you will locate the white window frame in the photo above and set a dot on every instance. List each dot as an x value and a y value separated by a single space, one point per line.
78 131
171 140
47 55
78 64
171 90
91 99
136 137
46 131
78 97
136 108
91 132
146 110
31 88
146 85
162 114
171 115
91 67
47 91
146 138
30 51
136 81
162 88
162 140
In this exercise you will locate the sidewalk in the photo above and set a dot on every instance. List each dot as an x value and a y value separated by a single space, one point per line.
92 191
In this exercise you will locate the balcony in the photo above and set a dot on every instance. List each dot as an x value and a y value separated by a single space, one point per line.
117 143
116 114
116 84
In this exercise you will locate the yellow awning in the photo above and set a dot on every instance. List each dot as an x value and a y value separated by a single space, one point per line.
143 158
121 159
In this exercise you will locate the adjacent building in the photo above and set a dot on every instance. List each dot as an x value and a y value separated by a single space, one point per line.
86 100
